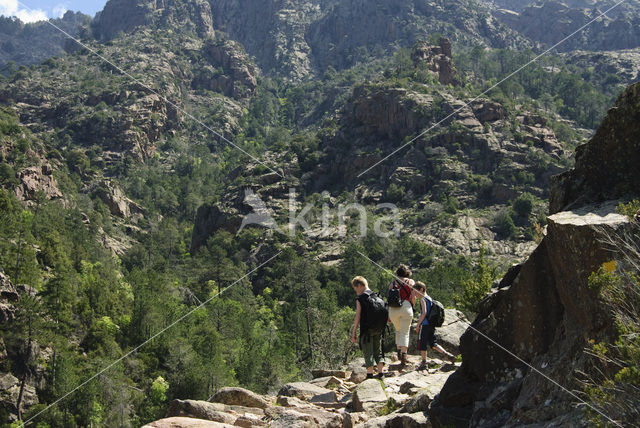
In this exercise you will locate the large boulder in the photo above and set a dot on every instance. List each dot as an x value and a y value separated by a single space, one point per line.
399 420
455 324
182 422
240 397
368 392
544 314
201 410
303 417
302 390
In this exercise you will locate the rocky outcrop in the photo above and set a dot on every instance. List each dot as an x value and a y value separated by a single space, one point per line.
9 392
37 179
437 59
32 43
545 316
124 16
239 397
544 312
607 167
301 37
624 64
8 296
117 202
618 29
239 76
390 113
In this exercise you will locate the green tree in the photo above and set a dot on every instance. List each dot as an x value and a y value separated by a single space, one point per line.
475 288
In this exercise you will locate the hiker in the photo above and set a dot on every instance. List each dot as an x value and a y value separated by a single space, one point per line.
401 302
426 332
372 315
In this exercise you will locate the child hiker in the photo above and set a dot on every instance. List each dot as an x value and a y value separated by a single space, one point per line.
372 315
426 333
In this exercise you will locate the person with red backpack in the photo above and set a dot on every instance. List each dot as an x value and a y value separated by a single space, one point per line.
401 301
372 316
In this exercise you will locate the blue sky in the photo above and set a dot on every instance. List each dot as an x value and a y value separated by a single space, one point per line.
35 10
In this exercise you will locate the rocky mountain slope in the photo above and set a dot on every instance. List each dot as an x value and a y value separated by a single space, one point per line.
311 36
623 63
451 185
617 30
302 37
27 44
122 197
551 293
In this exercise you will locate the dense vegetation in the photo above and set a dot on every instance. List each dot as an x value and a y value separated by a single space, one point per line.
576 94
182 324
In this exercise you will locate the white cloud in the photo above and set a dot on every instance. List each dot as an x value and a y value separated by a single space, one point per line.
59 10
10 8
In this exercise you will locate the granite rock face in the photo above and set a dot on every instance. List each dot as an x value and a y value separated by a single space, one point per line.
618 29
543 314
296 38
32 43
126 16
37 179
438 60
8 296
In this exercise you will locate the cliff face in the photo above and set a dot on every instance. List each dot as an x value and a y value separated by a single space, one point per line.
125 16
619 29
298 37
544 312
32 43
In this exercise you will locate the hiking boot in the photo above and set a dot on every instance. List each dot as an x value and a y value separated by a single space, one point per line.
449 356
403 360
422 366
369 375
399 354
380 375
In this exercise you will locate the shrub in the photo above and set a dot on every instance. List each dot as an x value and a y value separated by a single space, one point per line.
475 288
504 225
615 385
395 193
523 205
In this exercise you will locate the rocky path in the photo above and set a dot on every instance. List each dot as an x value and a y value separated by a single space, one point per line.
333 398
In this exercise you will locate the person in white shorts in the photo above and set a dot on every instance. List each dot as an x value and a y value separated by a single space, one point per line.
401 316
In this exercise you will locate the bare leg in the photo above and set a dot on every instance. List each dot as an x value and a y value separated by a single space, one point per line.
444 352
